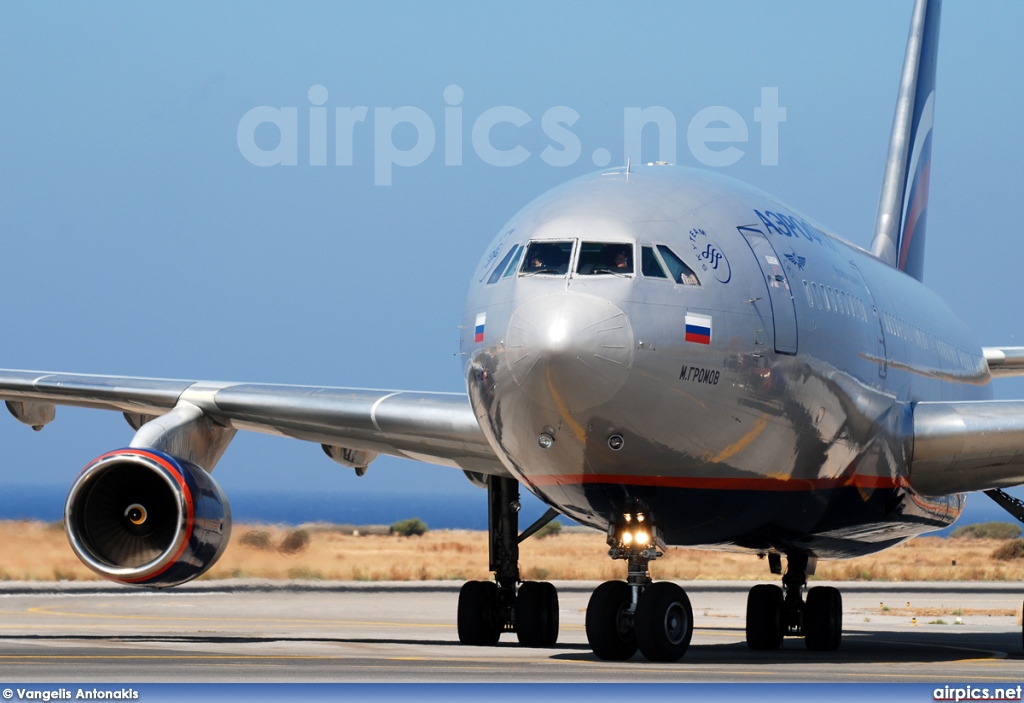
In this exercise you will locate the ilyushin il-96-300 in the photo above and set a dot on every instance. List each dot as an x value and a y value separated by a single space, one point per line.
664 354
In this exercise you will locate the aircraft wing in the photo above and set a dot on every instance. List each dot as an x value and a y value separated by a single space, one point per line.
354 425
1005 361
967 446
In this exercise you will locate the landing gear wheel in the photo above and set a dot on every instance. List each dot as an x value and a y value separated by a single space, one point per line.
764 617
537 614
609 627
823 619
478 613
664 622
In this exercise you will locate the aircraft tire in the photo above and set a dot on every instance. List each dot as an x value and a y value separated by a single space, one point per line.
537 614
764 617
664 622
609 632
478 614
823 619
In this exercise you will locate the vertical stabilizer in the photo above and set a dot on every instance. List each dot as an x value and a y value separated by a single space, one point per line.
903 204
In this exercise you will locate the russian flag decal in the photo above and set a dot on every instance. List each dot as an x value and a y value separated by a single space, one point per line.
480 320
698 328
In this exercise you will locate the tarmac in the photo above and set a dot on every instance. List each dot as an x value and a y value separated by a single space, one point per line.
259 631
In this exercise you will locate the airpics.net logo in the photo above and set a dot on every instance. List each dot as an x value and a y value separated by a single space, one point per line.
714 135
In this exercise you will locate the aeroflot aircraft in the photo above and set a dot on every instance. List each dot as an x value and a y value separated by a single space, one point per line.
664 354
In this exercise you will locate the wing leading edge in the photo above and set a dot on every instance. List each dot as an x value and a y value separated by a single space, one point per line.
1004 361
438 428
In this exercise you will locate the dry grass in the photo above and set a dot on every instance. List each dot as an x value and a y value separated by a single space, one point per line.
38 551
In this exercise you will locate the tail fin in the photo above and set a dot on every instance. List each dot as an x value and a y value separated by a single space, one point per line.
903 204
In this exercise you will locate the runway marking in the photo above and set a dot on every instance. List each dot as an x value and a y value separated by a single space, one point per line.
55 611
347 657
496 662
993 653
468 664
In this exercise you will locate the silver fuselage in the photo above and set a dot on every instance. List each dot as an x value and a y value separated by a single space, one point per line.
785 428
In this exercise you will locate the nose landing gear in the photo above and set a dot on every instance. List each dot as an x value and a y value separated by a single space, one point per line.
655 618
774 613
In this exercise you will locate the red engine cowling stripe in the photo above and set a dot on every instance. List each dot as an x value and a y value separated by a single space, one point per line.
189 507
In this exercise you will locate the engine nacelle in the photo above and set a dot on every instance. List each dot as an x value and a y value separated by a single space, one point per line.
143 517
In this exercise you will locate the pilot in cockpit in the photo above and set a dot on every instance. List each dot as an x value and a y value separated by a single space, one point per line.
621 262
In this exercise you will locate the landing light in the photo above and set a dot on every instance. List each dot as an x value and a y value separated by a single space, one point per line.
635 533
545 440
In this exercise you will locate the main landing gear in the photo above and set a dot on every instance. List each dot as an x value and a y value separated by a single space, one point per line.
774 613
624 616
655 618
488 608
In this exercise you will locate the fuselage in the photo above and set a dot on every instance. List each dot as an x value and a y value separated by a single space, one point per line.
675 342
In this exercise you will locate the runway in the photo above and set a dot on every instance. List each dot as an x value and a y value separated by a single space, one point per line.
251 631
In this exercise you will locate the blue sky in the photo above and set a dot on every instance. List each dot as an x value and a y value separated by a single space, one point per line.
139 240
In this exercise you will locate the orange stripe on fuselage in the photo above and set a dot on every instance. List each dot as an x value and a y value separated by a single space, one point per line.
720 484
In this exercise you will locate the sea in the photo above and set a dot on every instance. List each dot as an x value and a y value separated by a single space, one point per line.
439 511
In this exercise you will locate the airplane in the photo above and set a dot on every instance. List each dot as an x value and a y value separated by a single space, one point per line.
664 354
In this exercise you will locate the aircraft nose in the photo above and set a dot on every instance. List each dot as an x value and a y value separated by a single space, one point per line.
569 351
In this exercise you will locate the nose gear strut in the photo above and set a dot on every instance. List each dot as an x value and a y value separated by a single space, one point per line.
655 618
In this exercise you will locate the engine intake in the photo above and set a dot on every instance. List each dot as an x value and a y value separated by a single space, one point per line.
143 517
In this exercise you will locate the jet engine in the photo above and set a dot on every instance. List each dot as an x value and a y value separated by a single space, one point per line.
143 517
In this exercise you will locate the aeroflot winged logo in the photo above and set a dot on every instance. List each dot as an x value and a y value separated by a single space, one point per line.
698 328
797 260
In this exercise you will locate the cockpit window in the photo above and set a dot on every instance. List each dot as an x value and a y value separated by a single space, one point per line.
514 263
649 264
549 258
604 258
496 273
681 273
